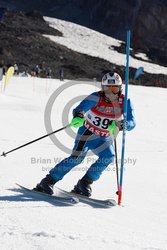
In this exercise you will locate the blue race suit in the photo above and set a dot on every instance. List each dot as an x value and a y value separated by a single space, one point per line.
101 146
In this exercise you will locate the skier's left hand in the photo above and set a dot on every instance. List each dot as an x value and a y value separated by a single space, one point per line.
120 124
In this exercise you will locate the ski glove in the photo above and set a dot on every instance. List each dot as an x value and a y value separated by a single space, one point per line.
120 124
77 122
113 129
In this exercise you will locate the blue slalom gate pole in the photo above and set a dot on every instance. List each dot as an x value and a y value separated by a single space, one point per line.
125 117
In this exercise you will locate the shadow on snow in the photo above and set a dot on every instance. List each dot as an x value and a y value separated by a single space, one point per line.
27 196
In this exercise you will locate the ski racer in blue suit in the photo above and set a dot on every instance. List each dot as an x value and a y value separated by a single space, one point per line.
99 118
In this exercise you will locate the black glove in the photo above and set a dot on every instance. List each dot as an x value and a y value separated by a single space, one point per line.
119 124
79 113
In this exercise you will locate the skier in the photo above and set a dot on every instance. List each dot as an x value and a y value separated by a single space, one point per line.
61 74
16 69
99 119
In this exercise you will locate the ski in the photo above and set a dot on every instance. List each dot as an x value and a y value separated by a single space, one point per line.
87 200
68 200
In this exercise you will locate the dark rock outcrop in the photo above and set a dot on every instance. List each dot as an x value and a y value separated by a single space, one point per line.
22 42
146 19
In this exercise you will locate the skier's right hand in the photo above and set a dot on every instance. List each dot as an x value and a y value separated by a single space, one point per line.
77 122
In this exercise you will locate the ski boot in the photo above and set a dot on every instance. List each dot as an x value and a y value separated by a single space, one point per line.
46 185
83 186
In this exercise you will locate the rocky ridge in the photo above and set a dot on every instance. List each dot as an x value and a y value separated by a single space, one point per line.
22 42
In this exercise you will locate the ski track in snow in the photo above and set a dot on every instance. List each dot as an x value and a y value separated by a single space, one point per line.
28 222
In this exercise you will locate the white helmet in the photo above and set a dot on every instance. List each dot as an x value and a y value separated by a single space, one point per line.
111 79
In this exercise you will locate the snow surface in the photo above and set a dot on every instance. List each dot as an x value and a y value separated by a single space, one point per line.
27 222
90 42
142 56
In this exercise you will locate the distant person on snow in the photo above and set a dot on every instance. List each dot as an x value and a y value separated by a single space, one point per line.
61 74
16 69
4 70
37 70
99 119
49 73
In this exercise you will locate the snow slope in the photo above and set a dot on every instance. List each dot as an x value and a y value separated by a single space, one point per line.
87 41
30 223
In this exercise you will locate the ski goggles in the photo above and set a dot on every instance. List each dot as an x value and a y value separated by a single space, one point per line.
113 89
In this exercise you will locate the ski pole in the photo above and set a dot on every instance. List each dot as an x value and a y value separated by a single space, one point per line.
116 163
5 153
125 117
